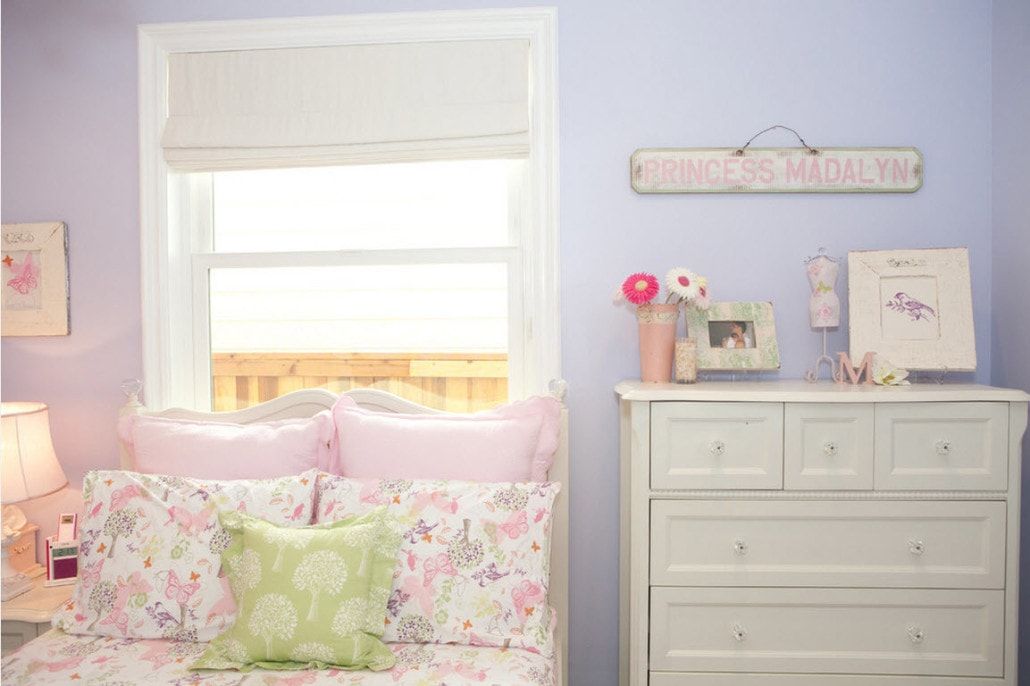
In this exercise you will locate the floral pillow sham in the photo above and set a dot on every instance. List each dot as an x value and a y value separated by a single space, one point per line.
151 549
474 558
313 597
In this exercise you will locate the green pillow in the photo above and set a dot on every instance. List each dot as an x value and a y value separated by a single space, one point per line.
310 597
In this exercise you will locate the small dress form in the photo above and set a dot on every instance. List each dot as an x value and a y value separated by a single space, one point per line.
823 305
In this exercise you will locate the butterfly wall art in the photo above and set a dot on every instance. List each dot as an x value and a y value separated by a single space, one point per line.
23 286
34 279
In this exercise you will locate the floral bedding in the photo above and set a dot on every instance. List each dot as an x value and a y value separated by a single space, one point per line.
475 558
150 551
60 658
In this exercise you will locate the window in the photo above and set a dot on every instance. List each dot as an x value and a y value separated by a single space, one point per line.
426 268
393 316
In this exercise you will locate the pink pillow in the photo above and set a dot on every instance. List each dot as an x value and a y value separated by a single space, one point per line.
210 450
515 442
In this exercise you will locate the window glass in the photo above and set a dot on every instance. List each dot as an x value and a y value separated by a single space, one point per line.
461 203
434 333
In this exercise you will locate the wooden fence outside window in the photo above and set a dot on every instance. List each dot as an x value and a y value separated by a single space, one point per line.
457 382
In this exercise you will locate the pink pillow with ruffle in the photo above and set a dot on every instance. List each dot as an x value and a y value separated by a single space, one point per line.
211 450
515 442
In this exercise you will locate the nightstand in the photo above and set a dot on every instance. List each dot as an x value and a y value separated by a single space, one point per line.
28 615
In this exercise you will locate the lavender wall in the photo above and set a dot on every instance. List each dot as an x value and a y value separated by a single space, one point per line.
1010 209
657 73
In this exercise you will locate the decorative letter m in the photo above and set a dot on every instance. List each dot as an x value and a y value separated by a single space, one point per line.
847 368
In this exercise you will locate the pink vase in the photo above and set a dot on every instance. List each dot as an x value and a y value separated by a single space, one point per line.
657 327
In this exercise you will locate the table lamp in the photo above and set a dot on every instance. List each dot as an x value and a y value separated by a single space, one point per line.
28 469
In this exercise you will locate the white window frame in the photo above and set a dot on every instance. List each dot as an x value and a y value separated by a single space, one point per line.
175 302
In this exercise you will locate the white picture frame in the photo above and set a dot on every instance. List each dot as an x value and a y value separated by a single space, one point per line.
714 331
34 287
914 307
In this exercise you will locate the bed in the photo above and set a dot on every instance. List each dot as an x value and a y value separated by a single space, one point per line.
57 657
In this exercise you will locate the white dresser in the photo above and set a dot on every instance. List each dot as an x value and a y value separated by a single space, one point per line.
779 533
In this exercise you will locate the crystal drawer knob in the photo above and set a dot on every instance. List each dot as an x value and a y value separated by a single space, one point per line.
717 448
830 448
916 635
739 633
740 547
943 448
916 547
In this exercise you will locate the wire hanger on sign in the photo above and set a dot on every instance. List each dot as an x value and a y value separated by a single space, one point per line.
739 152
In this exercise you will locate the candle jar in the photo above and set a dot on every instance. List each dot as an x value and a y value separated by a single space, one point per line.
686 360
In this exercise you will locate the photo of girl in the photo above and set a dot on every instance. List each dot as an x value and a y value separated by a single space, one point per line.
734 334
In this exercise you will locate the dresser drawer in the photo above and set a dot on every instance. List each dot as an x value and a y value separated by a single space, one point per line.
828 631
716 445
942 446
852 543
828 447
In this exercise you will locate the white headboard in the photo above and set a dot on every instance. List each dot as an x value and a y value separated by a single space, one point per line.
306 403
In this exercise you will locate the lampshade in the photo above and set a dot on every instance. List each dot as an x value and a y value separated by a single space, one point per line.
29 464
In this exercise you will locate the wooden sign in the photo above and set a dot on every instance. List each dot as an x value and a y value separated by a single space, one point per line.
776 170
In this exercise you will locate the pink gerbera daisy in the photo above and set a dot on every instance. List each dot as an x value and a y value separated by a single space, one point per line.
640 288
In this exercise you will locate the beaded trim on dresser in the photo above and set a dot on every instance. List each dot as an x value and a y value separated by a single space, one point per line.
661 494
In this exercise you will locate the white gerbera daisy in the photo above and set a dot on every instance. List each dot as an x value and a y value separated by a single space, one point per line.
683 283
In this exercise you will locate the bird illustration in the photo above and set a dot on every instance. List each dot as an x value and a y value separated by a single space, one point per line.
905 304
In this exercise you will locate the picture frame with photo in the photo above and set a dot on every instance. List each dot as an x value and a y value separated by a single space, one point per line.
914 307
34 287
735 336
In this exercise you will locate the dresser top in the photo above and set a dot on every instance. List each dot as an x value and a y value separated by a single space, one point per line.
799 391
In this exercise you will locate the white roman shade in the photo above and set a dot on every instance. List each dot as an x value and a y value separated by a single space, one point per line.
352 103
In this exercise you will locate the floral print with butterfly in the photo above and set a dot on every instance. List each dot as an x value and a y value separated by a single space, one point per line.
60 658
151 551
474 558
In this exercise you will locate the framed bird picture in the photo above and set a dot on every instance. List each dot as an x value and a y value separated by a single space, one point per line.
34 284
914 307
